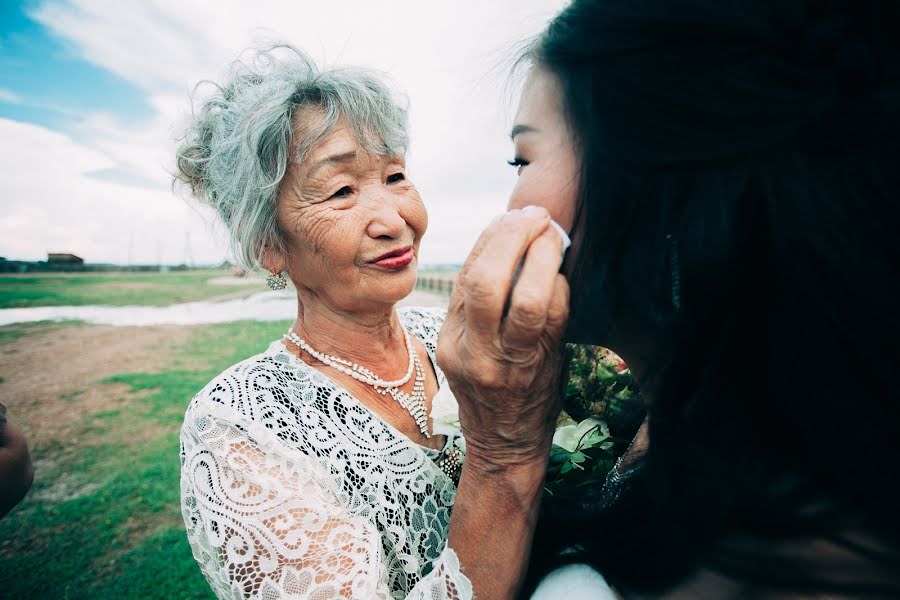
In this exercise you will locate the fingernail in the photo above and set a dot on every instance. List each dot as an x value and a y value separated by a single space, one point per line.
533 211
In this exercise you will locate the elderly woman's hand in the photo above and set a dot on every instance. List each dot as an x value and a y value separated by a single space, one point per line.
501 351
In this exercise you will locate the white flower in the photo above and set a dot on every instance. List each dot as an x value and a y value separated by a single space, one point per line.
574 436
445 412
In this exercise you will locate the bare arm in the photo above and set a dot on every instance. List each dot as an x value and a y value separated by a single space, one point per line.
503 366
492 527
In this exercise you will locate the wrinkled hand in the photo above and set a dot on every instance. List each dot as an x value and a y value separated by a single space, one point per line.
504 365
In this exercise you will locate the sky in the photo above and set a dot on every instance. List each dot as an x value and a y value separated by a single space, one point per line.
92 93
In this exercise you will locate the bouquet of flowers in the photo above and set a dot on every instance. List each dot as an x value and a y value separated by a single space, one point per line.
602 412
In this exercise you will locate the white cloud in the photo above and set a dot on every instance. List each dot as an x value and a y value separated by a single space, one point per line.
445 56
51 203
11 97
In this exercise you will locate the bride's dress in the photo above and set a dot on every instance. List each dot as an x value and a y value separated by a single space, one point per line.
293 489
574 582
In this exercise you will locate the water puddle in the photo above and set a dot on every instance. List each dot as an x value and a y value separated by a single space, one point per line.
263 306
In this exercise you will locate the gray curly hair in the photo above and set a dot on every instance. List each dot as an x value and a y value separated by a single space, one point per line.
236 148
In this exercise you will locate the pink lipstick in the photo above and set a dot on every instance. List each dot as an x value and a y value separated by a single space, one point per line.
396 259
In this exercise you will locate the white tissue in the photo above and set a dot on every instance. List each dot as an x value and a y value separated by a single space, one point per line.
567 242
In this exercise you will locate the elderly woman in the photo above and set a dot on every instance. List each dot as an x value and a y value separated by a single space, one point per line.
311 470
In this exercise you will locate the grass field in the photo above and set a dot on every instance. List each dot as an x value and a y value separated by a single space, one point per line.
114 289
103 517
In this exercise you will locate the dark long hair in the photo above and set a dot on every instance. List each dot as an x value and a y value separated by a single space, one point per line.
740 201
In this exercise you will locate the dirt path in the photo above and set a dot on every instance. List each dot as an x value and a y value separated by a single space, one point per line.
50 377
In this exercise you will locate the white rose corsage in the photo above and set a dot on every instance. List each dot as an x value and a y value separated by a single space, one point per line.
445 421
445 412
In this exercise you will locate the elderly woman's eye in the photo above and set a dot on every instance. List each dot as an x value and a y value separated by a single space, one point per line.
344 191
395 177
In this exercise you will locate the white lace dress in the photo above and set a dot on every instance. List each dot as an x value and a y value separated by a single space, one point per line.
291 488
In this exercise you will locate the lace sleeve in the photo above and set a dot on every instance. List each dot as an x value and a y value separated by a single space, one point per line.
446 581
263 521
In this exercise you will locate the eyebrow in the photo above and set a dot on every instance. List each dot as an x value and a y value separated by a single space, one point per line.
516 130
331 160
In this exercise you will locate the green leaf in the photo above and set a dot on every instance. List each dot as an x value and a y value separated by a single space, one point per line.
555 449
605 374
625 394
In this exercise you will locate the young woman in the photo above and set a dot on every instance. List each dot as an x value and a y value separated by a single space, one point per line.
729 175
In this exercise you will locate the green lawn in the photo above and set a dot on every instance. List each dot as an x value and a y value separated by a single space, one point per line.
115 289
103 518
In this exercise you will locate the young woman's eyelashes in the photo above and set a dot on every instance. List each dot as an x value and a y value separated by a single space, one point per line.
518 163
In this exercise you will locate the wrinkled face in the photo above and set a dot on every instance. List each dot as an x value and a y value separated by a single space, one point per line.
544 151
352 223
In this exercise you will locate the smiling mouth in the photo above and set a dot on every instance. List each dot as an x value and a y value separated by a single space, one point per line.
395 259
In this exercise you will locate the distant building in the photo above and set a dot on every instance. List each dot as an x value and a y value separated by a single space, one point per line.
64 258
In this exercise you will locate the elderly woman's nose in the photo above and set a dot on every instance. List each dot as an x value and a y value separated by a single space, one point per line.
386 221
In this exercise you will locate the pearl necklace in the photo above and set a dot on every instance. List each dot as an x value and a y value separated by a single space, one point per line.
413 403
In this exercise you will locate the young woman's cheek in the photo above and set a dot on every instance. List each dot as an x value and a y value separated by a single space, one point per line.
532 189
521 194
550 188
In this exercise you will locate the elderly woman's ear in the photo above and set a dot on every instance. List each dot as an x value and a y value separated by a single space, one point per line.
272 260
